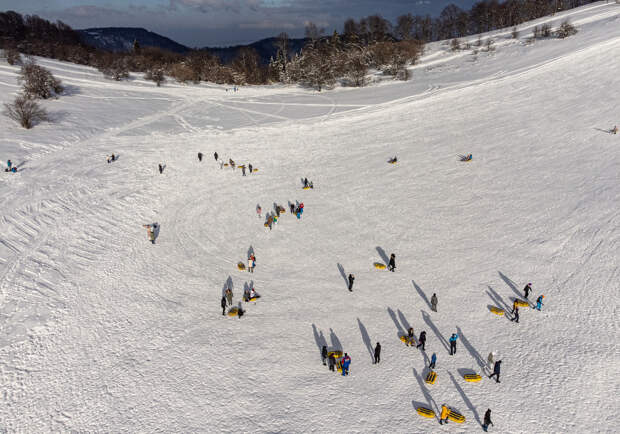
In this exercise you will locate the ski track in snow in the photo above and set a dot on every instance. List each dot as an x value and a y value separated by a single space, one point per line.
104 332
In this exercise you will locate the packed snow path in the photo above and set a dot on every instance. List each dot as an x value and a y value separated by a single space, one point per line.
102 331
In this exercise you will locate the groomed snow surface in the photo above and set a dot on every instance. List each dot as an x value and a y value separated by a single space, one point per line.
103 332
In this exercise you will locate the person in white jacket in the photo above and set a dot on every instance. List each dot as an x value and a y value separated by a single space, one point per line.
491 359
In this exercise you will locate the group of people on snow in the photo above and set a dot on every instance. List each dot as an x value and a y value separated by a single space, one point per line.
110 158
10 167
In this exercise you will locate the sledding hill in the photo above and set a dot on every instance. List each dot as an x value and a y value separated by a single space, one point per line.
103 331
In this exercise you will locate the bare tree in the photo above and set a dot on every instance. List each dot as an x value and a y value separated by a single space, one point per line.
404 27
566 29
12 56
312 31
38 82
26 111
156 74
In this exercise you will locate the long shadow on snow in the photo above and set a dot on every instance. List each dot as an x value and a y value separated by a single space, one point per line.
429 322
427 395
250 251
422 294
383 255
403 321
343 274
498 300
366 339
466 399
400 331
319 338
510 283
470 348
336 345
227 284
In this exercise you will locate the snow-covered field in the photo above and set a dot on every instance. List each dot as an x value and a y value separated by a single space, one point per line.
100 331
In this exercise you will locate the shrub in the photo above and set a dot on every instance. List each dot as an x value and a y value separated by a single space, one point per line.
455 44
515 33
566 29
26 111
12 56
545 30
116 69
155 74
38 82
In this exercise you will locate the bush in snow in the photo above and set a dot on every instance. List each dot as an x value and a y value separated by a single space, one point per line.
566 29
455 44
155 74
545 30
38 82
12 56
26 111
515 33
113 67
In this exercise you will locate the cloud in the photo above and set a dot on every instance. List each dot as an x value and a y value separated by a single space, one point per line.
209 6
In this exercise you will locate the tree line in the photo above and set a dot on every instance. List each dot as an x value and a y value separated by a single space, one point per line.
346 57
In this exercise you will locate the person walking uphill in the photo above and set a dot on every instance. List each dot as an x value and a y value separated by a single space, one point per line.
453 339
161 169
515 318
346 361
433 361
215 156
496 371
229 296
378 353
351 279
434 302
444 415
392 263
332 362
527 290
223 302
422 340
200 156
324 354
539 302
487 420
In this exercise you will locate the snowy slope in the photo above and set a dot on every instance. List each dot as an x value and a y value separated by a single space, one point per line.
103 332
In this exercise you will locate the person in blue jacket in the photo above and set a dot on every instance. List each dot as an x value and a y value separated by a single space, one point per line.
9 163
346 361
453 339
539 302
433 361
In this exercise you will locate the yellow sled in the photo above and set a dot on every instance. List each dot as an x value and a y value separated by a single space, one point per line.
306 188
254 170
497 310
522 303
225 164
233 311
472 378
431 377
241 266
406 340
455 417
337 354
425 412
380 266
393 162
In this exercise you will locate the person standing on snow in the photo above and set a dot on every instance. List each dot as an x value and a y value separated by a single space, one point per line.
378 353
259 211
516 315
200 156
527 290
614 130
229 296
346 361
251 263
242 170
305 182
351 279
514 306
487 420
332 362
324 355
422 340
444 414
9 163
215 156
223 302
453 339
250 168
161 169
539 302
434 302
496 371
150 230
433 361
410 337
392 263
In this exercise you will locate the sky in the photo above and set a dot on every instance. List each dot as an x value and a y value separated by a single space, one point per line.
198 23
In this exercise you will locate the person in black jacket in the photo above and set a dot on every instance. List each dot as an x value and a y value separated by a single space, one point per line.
332 362
378 353
250 168
516 315
527 290
200 156
392 264
496 370
351 279
223 305
422 340
161 169
215 156
487 420
324 354
434 302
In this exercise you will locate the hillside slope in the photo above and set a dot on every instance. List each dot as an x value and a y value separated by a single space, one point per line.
103 331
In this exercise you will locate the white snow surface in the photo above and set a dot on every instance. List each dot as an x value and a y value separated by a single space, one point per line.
100 331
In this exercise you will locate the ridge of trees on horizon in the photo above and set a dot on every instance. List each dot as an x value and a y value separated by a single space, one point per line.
370 42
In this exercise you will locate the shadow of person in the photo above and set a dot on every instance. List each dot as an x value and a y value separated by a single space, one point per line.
366 340
510 283
432 405
383 255
400 332
465 399
343 274
336 345
422 294
318 338
429 322
470 348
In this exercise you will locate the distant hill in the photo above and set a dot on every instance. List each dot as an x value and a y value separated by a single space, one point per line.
119 39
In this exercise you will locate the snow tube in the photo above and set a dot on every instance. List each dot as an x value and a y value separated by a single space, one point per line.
380 266
522 303
472 378
425 412
225 164
497 310
392 162
266 225
254 170
241 266
306 188
336 354
455 417
406 340
233 311
431 377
